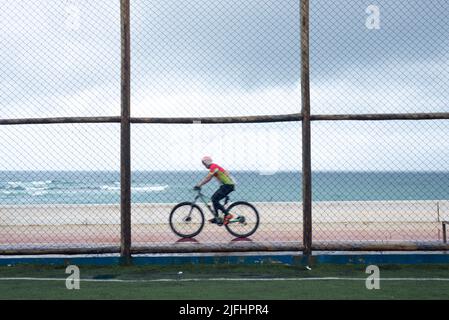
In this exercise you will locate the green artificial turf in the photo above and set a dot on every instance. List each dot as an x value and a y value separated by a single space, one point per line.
224 290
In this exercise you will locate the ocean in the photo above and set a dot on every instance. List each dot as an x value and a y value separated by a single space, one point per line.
103 187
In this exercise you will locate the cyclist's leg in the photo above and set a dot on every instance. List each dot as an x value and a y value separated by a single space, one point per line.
229 189
216 197
221 193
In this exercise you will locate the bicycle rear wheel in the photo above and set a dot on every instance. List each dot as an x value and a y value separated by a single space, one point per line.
186 219
246 219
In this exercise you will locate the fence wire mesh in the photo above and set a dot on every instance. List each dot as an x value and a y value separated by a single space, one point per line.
59 58
376 182
261 167
383 181
215 58
377 186
379 56
54 192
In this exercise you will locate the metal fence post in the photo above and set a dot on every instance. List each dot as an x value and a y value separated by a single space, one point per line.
306 131
125 136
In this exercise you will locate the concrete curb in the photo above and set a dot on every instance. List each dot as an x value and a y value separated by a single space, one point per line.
287 258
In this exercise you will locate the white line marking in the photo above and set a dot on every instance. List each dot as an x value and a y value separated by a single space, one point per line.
221 279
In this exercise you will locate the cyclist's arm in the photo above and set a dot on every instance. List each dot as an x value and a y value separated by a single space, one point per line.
206 180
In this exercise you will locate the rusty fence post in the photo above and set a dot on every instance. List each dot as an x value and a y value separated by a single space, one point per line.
306 132
125 135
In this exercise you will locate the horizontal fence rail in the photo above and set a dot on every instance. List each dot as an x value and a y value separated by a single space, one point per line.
60 120
243 247
230 120
381 117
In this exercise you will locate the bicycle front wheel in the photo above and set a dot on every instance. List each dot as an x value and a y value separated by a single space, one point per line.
186 219
245 219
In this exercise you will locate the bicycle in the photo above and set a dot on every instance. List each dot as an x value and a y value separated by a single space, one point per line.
190 216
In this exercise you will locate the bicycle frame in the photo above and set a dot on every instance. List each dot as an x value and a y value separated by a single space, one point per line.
206 200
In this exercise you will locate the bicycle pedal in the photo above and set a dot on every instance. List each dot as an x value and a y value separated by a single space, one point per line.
216 221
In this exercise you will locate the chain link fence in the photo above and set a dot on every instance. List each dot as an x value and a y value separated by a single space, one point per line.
385 181
197 65
248 152
54 190
59 59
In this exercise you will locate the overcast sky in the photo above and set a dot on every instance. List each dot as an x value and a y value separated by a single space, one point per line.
221 58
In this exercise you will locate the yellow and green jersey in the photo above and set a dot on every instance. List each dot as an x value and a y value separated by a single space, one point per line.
220 173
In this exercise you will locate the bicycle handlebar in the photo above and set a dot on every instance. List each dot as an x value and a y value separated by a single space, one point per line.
198 191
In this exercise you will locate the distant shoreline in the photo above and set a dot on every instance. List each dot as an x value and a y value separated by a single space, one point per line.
103 187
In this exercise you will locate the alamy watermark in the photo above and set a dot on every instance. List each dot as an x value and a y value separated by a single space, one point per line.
372 22
72 282
373 280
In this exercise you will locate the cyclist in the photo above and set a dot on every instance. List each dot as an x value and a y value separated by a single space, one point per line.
226 187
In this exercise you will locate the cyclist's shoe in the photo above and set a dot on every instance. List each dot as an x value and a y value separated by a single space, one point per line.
228 218
231 218
213 220
216 220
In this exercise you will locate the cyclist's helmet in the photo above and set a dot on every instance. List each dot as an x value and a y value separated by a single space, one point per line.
207 161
